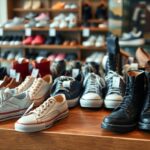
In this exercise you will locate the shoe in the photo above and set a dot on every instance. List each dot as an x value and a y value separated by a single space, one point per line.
6 80
18 40
43 65
36 4
15 22
21 66
42 23
58 6
11 56
101 12
71 57
54 24
7 40
53 109
125 117
3 72
28 40
60 56
30 24
13 83
70 87
42 17
58 40
100 41
86 12
115 90
60 17
52 57
144 121
73 6
38 40
27 4
63 24
30 16
73 43
90 41
66 43
132 39
9 92
143 58
93 91
58 68
16 106
50 40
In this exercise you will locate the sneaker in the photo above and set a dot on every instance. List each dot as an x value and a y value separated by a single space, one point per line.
90 41
115 90
16 105
28 40
30 15
100 41
30 24
53 109
70 87
132 39
42 23
38 40
54 24
42 17
93 91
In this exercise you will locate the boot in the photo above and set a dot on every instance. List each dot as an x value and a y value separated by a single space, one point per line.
125 117
144 122
113 62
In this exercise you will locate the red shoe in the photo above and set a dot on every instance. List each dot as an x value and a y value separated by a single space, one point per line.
43 65
38 40
28 40
21 66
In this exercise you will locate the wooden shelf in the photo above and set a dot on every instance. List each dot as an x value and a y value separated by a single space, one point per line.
97 21
80 129
93 48
11 46
44 10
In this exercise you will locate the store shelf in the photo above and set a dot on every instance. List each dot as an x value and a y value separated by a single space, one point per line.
80 129
64 10
97 20
11 46
93 48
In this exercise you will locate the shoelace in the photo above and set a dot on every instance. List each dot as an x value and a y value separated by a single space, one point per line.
23 85
35 86
93 85
39 110
109 80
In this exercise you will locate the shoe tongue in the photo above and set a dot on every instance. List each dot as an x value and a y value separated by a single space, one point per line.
39 59
20 60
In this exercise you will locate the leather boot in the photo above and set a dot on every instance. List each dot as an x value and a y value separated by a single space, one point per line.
125 117
143 58
144 122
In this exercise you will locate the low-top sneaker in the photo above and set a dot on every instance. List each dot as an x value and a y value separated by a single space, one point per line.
53 109
93 91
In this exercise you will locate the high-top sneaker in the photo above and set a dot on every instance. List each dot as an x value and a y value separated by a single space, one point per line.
144 122
58 68
43 65
113 62
115 90
93 91
21 66
125 117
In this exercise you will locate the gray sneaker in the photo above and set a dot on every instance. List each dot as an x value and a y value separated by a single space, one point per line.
30 24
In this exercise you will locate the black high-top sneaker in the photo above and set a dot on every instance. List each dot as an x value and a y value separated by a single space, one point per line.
144 122
125 117
113 62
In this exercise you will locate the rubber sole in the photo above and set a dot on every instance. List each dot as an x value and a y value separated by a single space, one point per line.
73 102
111 104
143 126
132 42
41 126
118 128
97 103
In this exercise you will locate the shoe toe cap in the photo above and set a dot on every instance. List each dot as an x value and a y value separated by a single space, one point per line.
91 96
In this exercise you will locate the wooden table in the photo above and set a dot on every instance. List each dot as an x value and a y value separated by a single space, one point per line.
80 131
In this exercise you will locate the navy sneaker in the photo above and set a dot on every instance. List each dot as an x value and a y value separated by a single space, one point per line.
70 87
93 91
3 72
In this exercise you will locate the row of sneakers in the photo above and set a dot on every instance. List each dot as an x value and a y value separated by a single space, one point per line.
93 40
10 40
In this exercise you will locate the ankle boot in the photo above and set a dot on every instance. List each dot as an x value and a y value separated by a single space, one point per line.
144 123
113 48
125 117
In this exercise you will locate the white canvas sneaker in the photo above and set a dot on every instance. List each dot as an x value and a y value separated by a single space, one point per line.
100 41
16 105
90 41
43 117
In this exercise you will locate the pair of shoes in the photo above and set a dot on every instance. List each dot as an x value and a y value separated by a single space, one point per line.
94 41
63 5
132 39
134 108
64 21
70 6
32 4
34 40
70 43
32 90
58 40
16 21
10 40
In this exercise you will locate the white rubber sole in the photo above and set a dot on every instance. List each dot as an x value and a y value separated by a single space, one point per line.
41 126
91 103
136 42
12 115
111 104
73 102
